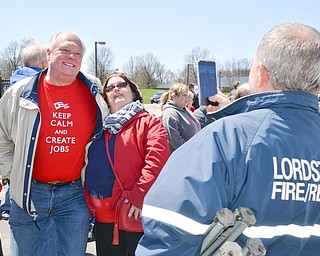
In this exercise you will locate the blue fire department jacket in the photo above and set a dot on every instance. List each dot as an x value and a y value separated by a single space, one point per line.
264 154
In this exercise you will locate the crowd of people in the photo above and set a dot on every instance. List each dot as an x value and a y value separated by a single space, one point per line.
74 149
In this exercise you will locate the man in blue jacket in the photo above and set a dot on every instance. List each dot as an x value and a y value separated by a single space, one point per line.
263 154
33 58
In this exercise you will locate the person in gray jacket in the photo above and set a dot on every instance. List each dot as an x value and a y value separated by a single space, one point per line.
179 122
46 122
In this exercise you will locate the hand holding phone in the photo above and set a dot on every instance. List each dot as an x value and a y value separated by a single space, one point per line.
221 101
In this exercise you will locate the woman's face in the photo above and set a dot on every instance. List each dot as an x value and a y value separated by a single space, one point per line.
182 99
120 96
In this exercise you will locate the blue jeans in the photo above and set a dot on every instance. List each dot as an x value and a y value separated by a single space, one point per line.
61 228
5 202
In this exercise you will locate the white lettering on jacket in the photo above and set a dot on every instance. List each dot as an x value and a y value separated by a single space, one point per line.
296 179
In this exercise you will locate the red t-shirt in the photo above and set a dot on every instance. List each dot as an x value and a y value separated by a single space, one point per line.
68 118
191 108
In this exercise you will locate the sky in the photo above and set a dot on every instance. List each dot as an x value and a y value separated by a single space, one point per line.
169 29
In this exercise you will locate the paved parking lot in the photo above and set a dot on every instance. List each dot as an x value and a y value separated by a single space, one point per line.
153 109
4 233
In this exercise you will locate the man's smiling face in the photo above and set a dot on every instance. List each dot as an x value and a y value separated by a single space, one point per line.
66 58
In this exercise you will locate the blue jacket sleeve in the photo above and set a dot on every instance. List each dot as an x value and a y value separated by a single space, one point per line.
173 241
193 185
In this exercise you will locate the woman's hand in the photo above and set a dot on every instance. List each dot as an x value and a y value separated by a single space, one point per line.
136 212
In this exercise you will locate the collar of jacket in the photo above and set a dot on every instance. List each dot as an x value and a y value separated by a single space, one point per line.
140 114
30 91
171 104
290 99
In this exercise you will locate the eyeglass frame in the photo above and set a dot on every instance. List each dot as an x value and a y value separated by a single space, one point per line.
112 88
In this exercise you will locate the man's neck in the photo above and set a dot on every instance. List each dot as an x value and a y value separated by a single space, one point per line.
61 81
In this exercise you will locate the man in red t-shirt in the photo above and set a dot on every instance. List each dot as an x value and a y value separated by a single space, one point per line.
57 113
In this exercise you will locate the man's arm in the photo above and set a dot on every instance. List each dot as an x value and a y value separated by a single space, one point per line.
6 143
193 185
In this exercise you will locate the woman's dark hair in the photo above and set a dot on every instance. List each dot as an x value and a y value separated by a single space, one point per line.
134 88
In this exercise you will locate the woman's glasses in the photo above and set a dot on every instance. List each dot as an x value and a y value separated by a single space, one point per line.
111 88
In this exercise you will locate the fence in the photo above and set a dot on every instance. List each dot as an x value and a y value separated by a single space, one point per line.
4 84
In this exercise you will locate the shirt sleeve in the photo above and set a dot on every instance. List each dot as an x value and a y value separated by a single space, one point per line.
156 152
6 142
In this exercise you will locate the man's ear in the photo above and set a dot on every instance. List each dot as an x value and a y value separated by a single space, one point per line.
263 76
264 83
44 64
48 54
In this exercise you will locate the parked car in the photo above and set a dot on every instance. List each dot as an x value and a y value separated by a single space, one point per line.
156 98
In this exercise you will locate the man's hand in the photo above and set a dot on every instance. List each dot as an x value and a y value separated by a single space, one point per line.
221 99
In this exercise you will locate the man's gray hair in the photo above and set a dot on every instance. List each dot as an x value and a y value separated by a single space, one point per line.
55 38
291 55
33 54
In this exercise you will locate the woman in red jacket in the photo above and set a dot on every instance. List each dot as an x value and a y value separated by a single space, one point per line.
122 165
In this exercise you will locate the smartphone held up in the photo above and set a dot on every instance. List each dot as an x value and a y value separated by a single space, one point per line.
207 81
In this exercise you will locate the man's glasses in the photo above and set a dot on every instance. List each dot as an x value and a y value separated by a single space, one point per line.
111 88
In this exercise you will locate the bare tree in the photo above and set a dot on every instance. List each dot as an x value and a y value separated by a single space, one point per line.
243 66
146 70
10 57
171 77
236 68
131 69
189 73
148 67
105 58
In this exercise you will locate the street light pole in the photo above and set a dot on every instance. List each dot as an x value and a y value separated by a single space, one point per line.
96 57
188 70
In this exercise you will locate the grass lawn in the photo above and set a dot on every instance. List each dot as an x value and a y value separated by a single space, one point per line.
147 93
